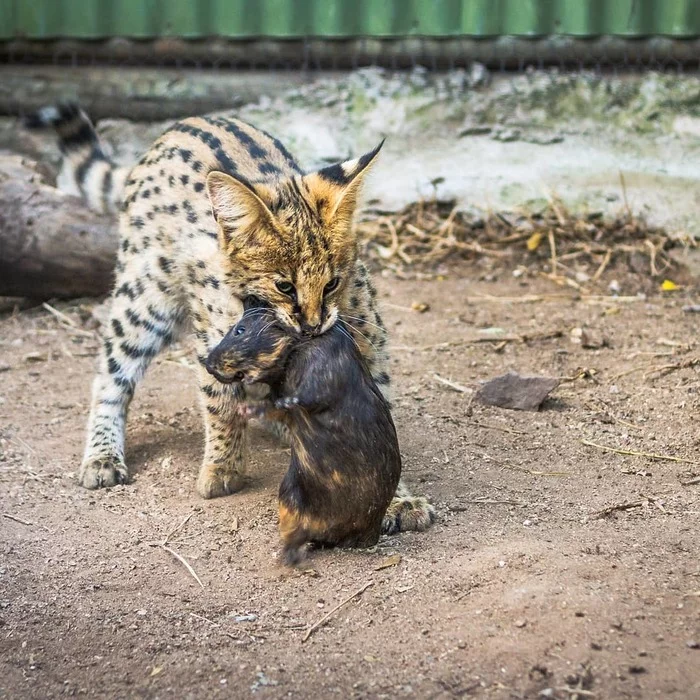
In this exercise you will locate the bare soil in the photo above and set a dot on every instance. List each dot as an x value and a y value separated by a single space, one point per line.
520 590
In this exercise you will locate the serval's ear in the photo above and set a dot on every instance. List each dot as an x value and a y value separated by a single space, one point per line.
239 207
336 188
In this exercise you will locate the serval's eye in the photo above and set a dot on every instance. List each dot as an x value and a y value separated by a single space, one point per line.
333 284
240 330
285 287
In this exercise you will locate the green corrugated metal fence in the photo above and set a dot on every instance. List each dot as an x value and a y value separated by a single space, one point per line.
98 19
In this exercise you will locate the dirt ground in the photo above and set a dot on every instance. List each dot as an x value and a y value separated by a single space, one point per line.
522 589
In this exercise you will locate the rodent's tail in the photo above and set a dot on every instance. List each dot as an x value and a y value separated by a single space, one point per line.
86 170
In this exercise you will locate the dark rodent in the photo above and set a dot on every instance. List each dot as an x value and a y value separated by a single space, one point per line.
345 462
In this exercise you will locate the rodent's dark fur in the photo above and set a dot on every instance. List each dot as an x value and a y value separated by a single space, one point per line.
345 462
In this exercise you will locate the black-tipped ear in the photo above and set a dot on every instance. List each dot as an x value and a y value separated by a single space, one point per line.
336 188
342 174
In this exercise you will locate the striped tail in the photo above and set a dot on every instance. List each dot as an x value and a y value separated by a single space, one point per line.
86 170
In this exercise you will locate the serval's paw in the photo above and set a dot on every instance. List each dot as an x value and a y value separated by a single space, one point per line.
101 472
408 513
214 480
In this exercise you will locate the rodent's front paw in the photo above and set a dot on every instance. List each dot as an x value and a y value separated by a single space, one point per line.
287 402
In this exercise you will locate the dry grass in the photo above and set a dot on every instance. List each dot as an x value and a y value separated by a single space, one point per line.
572 249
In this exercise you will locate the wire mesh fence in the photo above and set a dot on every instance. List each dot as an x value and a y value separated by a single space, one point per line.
171 77
434 53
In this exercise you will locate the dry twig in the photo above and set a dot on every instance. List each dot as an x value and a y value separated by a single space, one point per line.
617 507
427 233
533 472
327 616
452 385
635 453
502 428
164 545
17 520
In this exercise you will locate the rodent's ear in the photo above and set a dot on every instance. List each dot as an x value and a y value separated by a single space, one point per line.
239 208
336 188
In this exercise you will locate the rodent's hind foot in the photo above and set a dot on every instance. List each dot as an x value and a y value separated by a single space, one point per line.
293 555
408 513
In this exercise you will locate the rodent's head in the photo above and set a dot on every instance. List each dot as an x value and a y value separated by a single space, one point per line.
291 242
254 350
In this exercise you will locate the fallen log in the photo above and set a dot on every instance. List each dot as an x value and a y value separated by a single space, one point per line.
51 244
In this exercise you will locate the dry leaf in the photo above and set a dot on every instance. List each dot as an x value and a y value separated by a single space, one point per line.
420 306
393 560
156 670
534 241
669 286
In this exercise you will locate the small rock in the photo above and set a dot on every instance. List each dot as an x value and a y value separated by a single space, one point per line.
692 644
4 367
543 138
614 287
250 617
635 668
506 135
35 357
473 130
514 391
420 306
690 309
547 693
520 623
592 339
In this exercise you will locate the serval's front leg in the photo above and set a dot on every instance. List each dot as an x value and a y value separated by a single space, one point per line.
225 445
142 321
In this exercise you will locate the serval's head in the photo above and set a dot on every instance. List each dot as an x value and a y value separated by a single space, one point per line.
290 242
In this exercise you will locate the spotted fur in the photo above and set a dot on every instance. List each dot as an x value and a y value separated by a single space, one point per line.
214 212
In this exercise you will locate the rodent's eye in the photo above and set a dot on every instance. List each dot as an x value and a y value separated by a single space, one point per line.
285 287
240 330
332 285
